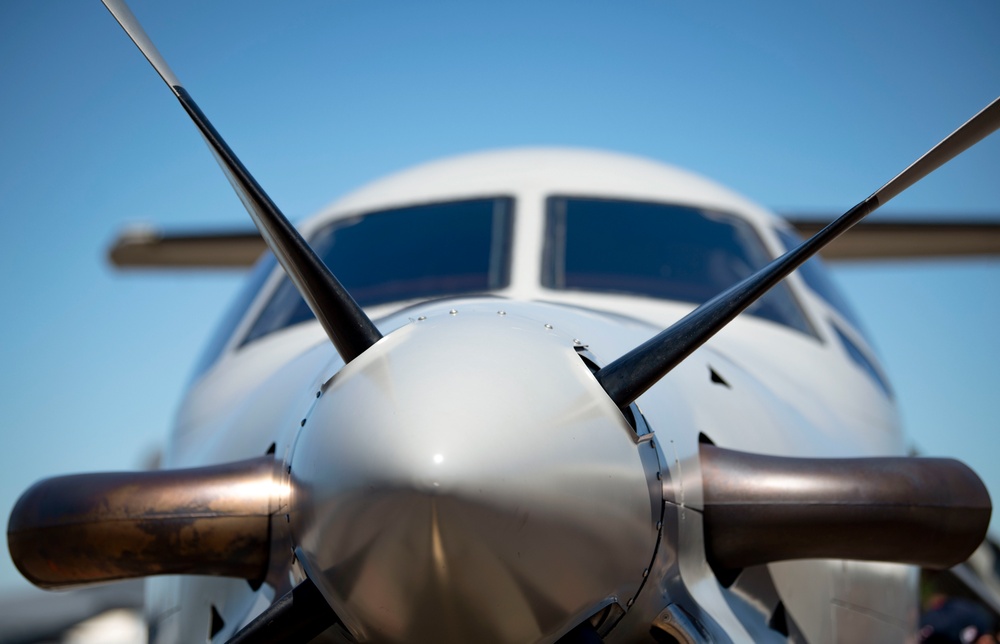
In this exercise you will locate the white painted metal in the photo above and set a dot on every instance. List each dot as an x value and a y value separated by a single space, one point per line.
524 434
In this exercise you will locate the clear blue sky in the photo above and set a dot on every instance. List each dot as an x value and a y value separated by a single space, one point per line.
801 107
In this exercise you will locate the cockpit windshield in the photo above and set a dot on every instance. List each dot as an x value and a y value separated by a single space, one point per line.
659 250
405 253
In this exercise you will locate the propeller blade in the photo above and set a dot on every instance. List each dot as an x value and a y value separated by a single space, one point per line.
932 512
350 330
626 378
296 617
87 528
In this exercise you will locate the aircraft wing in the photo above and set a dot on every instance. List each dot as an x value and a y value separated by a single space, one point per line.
151 248
907 239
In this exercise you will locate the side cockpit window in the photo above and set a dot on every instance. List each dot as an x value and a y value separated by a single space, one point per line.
816 276
234 314
658 250
405 253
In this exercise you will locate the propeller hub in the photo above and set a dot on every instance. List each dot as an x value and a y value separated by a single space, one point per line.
467 479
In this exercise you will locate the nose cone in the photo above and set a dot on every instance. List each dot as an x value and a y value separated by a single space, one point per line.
467 479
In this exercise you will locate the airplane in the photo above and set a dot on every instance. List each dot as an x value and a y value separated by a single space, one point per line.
719 384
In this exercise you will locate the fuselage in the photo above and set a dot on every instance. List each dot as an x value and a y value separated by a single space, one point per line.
463 371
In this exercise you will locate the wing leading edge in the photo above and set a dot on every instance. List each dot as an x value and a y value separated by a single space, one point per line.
239 248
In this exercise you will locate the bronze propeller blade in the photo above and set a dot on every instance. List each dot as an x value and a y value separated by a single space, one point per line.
86 528
932 512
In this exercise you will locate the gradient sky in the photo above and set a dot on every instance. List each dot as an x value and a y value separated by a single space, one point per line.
801 108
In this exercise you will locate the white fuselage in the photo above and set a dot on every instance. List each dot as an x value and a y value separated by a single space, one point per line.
758 386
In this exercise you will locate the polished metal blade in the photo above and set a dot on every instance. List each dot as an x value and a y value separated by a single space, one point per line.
346 324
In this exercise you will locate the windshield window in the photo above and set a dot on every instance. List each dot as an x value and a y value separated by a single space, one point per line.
405 253
659 250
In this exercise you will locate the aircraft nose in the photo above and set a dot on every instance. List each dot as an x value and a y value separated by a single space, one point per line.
467 479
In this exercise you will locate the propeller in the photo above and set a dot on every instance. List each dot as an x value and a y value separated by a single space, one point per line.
88 528
632 374
346 324
478 508
840 508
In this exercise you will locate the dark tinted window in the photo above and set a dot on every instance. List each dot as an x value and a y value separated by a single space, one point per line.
816 276
659 250
261 270
859 358
416 252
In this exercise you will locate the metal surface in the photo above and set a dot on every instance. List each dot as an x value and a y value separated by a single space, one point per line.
297 616
759 509
468 480
88 528
674 623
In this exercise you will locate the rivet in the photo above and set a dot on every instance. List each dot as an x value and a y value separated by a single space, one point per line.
630 602
575 341
453 312
289 469
659 476
548 326
645 573
659 524
501 312
651 444
303 423
421 318
319 393
288 518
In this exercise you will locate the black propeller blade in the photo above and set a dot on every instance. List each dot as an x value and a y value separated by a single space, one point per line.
296 617
350 330
626 378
